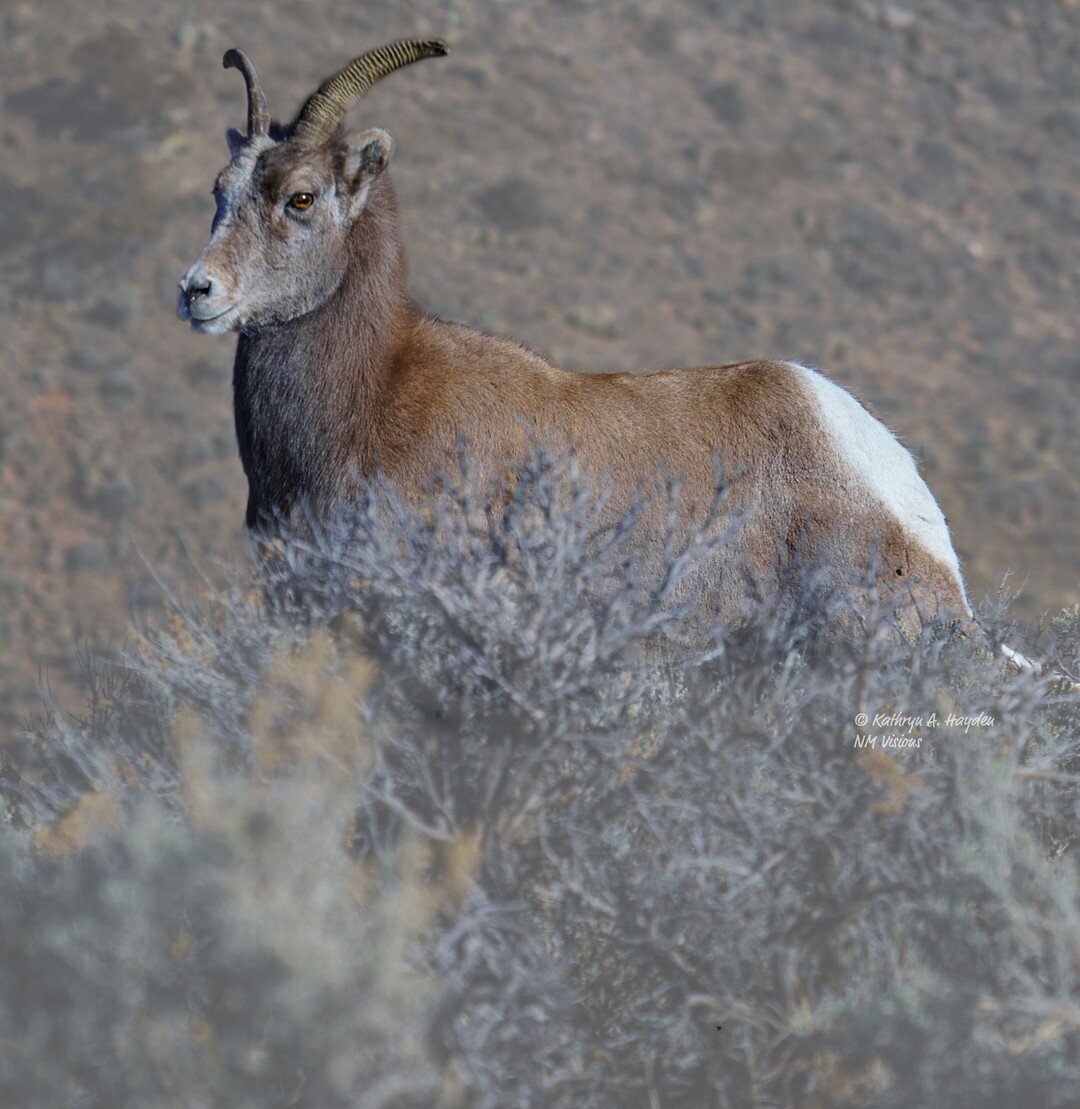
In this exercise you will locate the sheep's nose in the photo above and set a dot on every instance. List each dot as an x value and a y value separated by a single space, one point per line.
195 285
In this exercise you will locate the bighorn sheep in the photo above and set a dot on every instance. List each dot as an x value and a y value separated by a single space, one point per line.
338 373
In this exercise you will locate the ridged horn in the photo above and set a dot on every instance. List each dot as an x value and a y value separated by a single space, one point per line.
326 107
258 107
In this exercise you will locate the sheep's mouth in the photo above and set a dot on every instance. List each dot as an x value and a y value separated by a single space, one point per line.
217 324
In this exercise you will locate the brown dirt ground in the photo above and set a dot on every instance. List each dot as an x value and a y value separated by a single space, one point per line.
887 191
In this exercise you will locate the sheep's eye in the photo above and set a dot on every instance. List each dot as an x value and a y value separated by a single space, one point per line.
301 201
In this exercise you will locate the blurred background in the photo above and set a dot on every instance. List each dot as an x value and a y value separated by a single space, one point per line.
885 190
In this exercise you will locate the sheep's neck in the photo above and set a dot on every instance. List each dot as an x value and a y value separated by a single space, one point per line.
309 395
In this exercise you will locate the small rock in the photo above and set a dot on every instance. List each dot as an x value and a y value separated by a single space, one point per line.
206 372
897 18
49 557
659 36
476 77
87 358
195 448
514 205
167 404
118 385
149 600
110 494
87 554
112 312
203 492
727 102
1063 123
601 320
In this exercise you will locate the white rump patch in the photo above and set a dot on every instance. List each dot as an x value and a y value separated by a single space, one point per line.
1017 660
884 468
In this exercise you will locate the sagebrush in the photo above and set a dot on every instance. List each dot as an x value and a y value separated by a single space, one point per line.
437 806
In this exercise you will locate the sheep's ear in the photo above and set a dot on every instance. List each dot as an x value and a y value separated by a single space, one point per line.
364 156
235 139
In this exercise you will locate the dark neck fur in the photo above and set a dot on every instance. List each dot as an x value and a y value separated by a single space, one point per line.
307 394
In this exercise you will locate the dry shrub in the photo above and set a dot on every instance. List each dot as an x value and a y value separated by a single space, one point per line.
436 815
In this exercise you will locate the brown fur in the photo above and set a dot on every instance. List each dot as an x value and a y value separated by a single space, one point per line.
368 382
338 374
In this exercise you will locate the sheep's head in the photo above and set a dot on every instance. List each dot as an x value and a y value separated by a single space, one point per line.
278 247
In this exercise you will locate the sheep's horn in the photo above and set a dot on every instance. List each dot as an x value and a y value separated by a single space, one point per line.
258 107
326 107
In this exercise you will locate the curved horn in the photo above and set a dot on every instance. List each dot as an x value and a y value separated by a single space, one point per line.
326 107
258 107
